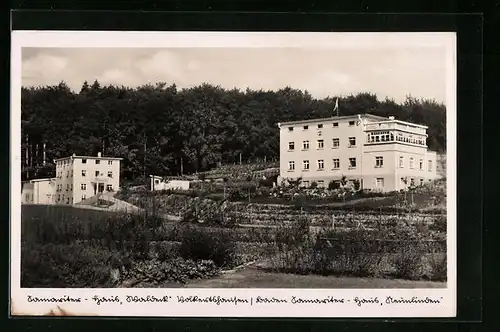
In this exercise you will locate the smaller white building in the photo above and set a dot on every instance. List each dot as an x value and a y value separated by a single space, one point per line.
161 183
39 191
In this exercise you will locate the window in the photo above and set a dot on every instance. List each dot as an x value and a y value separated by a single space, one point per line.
430 165
412 182
421 182
109 187
305 145
335 124
321 164
110 162
67 174
67 187
336 143
380 182
84 161
84 173
84 197
379 161
71 173
401 162
27 197
351 123
110 174
71 187
352 141
321 183
421 164
290 128
67 200
97 173
336 163
305 127
83 186
412 163
352 162
321 144
157 181
291 165
320 126
291 145
305 183
97 162
305 164
58 198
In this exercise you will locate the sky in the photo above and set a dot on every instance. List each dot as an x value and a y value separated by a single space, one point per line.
393 72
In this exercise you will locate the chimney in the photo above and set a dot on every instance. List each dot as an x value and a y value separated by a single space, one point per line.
99 154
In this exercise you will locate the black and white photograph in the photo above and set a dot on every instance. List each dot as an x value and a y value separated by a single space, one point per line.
208 163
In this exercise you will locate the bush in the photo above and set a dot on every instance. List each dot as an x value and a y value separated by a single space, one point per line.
438 224
201 243
175 269
78 265
293 235
438 265
408 261
356 252
333 185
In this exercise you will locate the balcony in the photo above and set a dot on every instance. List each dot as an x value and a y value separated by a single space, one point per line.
395 125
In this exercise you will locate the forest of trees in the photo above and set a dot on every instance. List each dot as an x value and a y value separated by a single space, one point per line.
154 127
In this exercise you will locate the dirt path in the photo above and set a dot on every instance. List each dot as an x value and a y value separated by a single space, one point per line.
254 277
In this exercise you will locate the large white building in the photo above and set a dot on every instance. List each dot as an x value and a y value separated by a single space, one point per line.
81 177
383 154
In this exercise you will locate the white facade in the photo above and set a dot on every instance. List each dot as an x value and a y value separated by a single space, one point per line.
39 191
381 153
159 183
81 177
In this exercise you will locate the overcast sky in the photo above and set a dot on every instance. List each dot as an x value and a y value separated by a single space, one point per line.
392 72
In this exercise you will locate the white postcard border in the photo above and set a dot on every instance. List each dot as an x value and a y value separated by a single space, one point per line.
19 296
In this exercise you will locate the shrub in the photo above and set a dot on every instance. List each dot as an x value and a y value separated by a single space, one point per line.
356 252
78 265
294 234
266 183
356 184
313 185
333 185
175 269
438 265
408 261
201 243
438 224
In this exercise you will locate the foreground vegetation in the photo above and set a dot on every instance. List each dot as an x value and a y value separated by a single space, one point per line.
71 247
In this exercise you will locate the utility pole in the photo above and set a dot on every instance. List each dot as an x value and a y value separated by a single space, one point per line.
36 155
240 158
44 156
182 166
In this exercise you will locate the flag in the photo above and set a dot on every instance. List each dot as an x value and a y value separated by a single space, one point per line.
337 106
